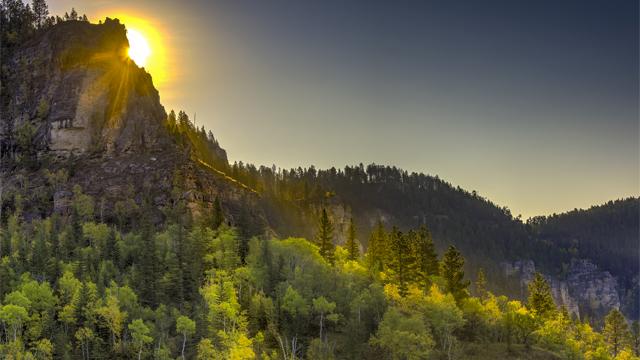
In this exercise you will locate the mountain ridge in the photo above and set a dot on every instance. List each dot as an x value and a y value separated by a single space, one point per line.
121 146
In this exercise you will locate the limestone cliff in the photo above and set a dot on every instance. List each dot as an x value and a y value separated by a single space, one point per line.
77 88
73 100
583 290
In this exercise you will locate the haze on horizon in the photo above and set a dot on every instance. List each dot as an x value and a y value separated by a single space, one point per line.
534 105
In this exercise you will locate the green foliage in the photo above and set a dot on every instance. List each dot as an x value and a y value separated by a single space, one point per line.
140 335
616 332
352 243
325 237
540 299
453 273
403 336
77 285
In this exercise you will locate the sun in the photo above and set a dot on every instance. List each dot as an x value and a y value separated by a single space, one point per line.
139 49
149 44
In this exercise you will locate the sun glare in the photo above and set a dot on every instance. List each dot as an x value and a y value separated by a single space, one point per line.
139 49
148 44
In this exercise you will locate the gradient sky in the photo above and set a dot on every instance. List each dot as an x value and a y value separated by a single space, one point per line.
533 104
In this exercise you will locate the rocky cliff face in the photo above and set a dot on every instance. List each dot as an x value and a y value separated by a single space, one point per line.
73 100
75 86
584 290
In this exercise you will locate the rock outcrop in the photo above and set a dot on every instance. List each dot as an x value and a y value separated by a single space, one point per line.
584 290
74 101
76 87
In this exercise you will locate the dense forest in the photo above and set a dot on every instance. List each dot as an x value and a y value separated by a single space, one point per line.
74 287
76 284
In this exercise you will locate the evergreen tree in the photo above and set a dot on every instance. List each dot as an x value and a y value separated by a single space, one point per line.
377 248
425 254
401 259
352 243
481 284
635 337
540 300
40 253
147 260
40 12
218 215
616 332
325 237
111 248
453 273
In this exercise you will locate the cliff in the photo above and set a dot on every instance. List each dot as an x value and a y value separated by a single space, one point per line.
72 100
585 290
75 86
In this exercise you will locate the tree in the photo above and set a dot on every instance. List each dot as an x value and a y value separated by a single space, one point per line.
377 248
616 332
186 327
84 335
401 261
540 300
635 332
73 15
352 243
425 254
14 316
113 318
217 214
453 273
403 336
520 321
325 237
140 335
206 351
325 309
40 12
481 284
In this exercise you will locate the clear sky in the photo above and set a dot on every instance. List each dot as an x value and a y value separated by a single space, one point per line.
533 104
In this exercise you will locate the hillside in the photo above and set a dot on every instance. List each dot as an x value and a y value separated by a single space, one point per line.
86 106
125 231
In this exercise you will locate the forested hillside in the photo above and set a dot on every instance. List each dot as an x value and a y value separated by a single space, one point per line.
127 234
607 233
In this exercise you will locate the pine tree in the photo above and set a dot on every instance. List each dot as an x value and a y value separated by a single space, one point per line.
147 260
218 215
616 332
425 256
453 273
635 337
540 299
352 243
40 12
401 260
325 237
481 284
111 248
377 248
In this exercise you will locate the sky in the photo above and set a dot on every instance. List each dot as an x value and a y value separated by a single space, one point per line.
532 104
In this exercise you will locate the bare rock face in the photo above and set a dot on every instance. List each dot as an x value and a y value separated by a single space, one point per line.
594 289
75 85
74 101
585 290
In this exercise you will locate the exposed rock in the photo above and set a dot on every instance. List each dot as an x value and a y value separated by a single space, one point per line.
98 116
75 85
585 290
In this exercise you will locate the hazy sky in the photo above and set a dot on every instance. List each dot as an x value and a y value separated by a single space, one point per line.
533 104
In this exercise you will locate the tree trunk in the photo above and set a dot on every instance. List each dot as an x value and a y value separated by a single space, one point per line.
184 342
